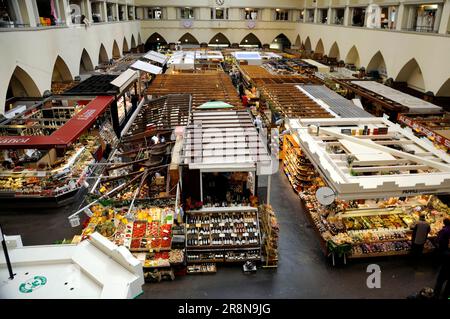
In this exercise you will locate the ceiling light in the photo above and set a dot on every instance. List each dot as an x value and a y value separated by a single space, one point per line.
277 9
186 40
246 40
157 39
217 40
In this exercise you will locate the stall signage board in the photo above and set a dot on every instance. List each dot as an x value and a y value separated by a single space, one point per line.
424 130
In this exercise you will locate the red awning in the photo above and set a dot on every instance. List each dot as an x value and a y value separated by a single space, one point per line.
65 135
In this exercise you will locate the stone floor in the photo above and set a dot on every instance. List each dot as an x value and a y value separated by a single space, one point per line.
303 271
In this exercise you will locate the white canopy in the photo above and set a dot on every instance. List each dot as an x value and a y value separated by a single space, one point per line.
125 79
93 269
147 67
320 67
156 57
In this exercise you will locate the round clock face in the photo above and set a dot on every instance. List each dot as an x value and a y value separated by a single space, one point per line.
220 2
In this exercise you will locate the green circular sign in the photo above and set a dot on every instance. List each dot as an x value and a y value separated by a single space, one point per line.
32 284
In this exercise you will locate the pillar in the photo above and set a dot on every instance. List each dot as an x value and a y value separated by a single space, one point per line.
316 15
88 10
401 19
443 25
347 16
116 8
329 15
33 15
438 18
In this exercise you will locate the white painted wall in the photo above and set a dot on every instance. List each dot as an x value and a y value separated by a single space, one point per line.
35 51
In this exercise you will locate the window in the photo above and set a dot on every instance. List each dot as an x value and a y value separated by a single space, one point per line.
281 15
187 13
250 14
425 18
323 16
310 15
338 16
8 16
219 13
155 13
358 17
302 15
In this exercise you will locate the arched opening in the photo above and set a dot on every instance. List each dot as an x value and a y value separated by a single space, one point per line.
219 40
334 52
353 57
103 55
61 72
21 85
115 50
308 46
445 89
250 41
280 42
155 42
133 42
298 42
125 48
319 48
86 64
411 74
188 40
377 66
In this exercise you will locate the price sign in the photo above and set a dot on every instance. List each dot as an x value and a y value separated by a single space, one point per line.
233 235
245 234
211 225
198 225
222 235
221 224
245 224
166 231
254 223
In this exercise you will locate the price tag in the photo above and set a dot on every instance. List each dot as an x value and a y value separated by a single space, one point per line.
151 250
254 223
245 234
166 231
211 225
41 173
187 225
256 234
222 235
221 224
198 225
233 235
245 224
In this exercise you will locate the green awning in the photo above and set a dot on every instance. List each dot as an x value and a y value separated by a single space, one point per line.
215 105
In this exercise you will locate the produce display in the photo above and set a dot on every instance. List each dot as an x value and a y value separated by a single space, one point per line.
210 236
375 228
202 268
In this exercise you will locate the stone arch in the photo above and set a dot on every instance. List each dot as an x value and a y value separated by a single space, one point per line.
353 57
220 39
444 90
154 42
298 42
61 71
377 63
251 39
115 50
103 55
86 64
412 75
21 85
308 46
282 41
319 47
188 38
125 47
334 52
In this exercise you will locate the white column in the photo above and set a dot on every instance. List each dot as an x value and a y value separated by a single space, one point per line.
316 15
33 15
88 10
116 7
438 18
443 25
401 17
347 16
329 15
126 13
18 15
104 9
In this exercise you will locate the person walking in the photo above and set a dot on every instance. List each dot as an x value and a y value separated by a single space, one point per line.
419 236
443 278
443 237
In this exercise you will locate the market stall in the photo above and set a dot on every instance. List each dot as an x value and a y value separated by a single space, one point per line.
47 153
224 156
376 179
92 269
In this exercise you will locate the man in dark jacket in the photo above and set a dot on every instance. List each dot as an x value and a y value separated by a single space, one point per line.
443 278
419 236
443 237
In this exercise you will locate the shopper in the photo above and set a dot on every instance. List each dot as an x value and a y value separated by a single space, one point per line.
419 236
245 100
443 237
241 90
443 278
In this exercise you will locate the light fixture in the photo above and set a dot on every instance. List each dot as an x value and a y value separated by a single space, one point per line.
277 9
186 40
217 40
246 40
276 40
157 39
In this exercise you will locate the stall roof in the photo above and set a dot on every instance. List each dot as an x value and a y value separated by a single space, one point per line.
393 164
93 269
125 79
65 135
209 55
156 57
95 85
247 55
224 140
146 67
320 67
270 55
415 105
337 103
